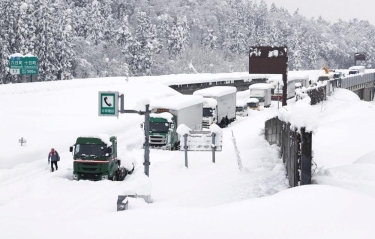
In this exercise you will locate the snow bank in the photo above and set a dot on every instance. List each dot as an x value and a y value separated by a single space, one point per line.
216 91
177 102
165 115
345 95
262 86
302 114
368 158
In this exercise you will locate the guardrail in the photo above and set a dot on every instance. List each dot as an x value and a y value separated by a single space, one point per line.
295 147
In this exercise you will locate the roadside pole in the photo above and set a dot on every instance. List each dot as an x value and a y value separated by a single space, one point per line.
108 102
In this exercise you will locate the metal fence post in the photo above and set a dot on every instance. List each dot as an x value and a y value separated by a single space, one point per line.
213 147
147 143
306 157
186 148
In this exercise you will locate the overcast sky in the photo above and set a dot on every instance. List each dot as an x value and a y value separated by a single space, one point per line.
330 10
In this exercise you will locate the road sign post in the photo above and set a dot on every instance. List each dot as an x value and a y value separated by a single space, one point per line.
270 60
109 106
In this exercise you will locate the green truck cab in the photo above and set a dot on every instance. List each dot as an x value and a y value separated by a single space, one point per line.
163 131
95 158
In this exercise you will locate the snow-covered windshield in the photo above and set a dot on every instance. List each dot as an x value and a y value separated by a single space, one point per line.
252 105
207 112
90 150
239 109
159 127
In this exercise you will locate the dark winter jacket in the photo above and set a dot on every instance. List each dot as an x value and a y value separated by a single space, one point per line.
54 156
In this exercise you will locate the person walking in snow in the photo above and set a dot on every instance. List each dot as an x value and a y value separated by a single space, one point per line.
226 121
53 156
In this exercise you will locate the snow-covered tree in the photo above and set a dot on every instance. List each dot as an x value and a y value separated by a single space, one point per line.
145 45
177 36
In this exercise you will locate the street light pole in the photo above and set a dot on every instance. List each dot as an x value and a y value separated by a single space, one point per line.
278 93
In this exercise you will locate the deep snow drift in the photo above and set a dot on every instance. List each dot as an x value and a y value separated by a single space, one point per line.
204 201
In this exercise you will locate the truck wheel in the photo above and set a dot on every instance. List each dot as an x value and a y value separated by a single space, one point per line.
114 178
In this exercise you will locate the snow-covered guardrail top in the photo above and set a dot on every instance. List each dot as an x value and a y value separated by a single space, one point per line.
177 102
216 91
261 86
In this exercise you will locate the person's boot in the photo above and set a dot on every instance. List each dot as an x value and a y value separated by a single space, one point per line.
52 170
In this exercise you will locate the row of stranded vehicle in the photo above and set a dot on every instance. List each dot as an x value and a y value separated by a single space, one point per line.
198 111
95 158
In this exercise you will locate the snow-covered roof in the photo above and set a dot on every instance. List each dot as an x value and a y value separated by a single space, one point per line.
209 103
356 68
290 77
240 103
252 100
177 102
103 137
165 115
262 86
216 91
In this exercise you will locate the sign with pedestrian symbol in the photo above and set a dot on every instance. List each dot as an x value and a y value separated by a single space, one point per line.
108 103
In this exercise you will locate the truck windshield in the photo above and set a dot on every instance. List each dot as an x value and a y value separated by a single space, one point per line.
90 149
159 127
239 109
252 105
207 112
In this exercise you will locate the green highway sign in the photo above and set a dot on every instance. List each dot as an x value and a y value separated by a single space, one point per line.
23 65
108 103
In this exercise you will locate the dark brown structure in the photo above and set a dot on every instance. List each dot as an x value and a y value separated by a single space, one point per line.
269 60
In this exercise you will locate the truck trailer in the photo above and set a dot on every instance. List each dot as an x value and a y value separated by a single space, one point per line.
220 102
95 158
168 113
262 92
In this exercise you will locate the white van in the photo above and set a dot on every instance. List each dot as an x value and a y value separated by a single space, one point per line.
360 69
241 108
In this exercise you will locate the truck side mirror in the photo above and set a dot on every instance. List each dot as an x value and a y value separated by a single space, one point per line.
71 149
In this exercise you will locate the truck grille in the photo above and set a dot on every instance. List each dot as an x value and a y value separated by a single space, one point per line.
90 176
157 140
205 124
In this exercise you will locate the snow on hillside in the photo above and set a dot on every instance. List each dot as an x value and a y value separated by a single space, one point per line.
204 201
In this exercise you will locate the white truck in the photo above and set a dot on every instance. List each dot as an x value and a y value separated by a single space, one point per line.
241 108
262 92
225 105
295 81
353 69
168 113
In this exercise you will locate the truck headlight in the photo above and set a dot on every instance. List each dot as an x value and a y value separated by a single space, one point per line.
75 176
104 177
